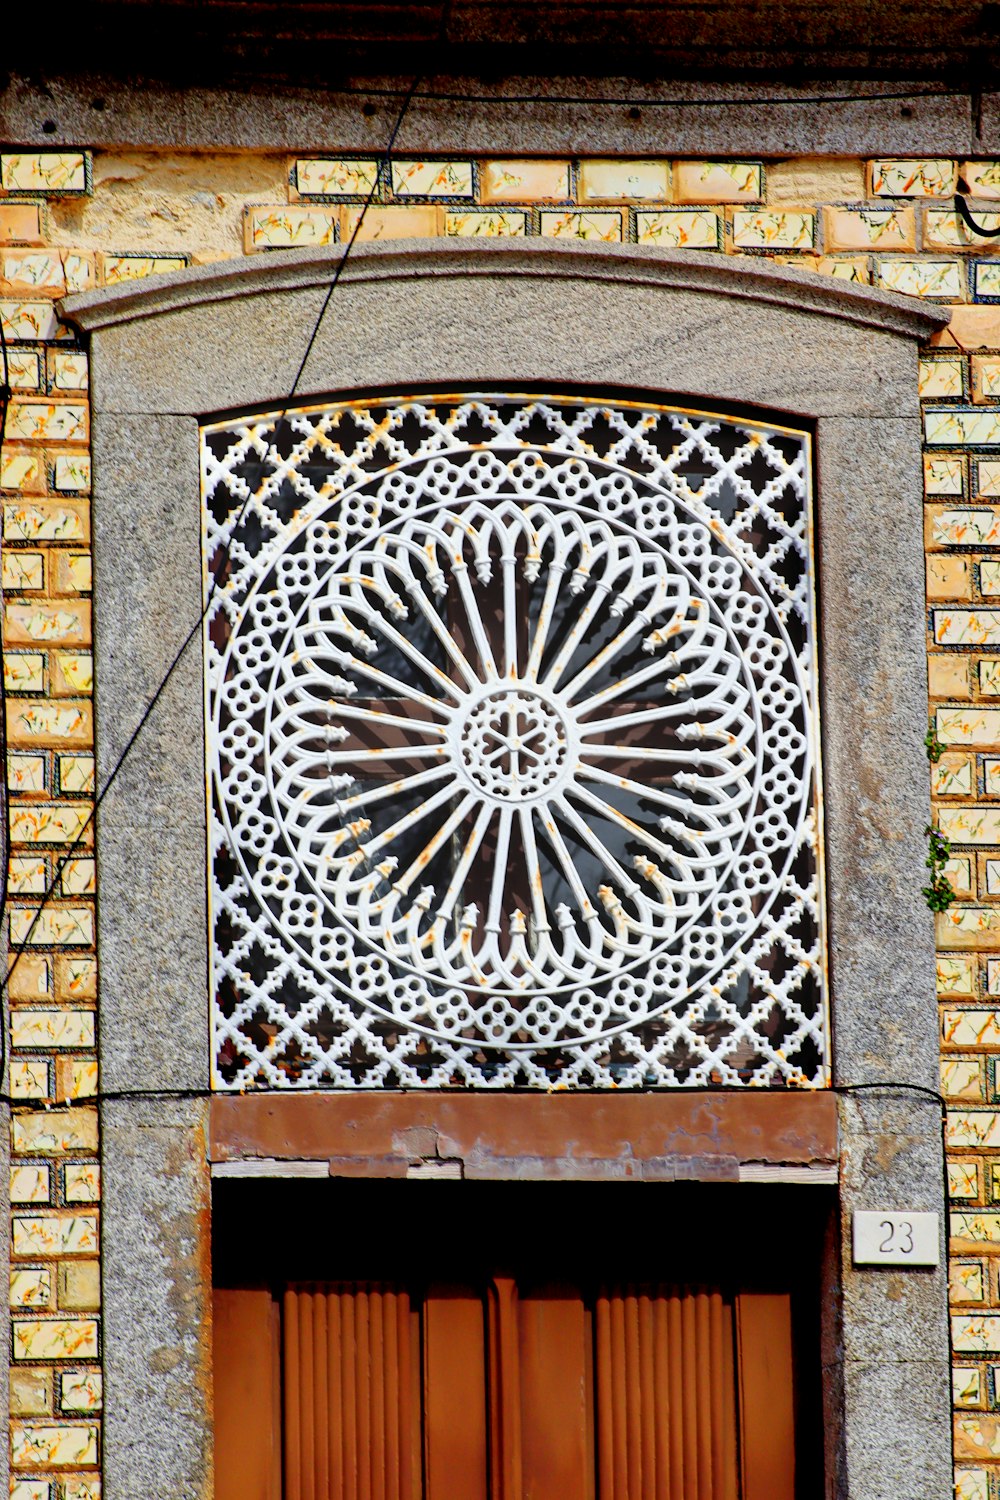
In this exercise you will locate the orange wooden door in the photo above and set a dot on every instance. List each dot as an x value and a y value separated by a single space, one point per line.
511 1391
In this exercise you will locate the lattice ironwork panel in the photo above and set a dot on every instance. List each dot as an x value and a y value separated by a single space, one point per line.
512 744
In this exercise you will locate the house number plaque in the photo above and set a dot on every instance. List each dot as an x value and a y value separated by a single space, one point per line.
895 1238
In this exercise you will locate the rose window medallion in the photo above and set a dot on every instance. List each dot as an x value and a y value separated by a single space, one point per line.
513 750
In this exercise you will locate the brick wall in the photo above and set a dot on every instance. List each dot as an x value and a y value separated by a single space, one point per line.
69 221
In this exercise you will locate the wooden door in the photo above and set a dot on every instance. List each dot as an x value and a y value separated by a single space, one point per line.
504 1391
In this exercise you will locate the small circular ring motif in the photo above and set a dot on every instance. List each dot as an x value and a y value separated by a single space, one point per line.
512 745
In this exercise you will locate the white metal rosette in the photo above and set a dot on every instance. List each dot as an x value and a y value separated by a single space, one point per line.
512 748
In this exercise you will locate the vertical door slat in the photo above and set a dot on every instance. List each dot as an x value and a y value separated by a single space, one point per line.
764 1342
455 1396
245 1330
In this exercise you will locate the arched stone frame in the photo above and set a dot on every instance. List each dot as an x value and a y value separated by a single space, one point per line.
230 337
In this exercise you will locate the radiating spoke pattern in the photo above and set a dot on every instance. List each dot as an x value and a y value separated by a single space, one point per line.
512 737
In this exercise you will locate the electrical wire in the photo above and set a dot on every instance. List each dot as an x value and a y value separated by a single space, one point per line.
962 205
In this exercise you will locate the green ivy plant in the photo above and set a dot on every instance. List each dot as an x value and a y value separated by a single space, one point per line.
933 745
938 894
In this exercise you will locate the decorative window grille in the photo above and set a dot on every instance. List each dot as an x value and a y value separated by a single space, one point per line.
511 720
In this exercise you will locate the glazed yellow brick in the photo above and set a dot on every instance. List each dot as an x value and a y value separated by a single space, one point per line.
989 577
71 572
25 773
20 224
987 477
46 521
66 624
72 673
970 825
618 180
81 1390
958 872
869 228
24 370
337 176
476 224
72 471
34 270
941 377
53 824
680 229
525 181
37 722
955 976
21 470
23 572
37 1030
944 476
55 1445
843 268
78 878
975 327
963 1180
31 980
773 229
34 421
79 1286
977 1437
968 927
985 377
961 526
76 773
913 177
24 671
937 279
54 1234
948 676
977 1129
982 178
944 229
69 925
970 1028
82 1182
432 179
283 227
961 424
28 321
75 977
951 776
961 1078
29 1184
44 172
31 1288
988 673
30 1396
118 268
718 181
29 875
949 578
572 224
54 1338
394 223
70 372
76 1078
55 1132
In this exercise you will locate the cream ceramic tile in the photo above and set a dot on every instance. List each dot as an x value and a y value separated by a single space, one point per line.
66 624
336 177
909 177
977 1129
29 1184
989 577
851 268
988 671
82 1182
432 179
977 526
968 726
943 476
950 425
73 671
55 1338
21 471
44 172
773 229
963 1180
987 278
970 825
76 1078
76 773
29 875
952 777
28 322
966 1282
284 227
941 378
72 471
33 270
72 925
22 572
970 1028
78 878
955 976
24 370
944 229
982 178
937 279
20 224
54 1234
966 627
971 1484
26 773
869 228
573 224
38 722
34 421
617 180
24 671
54 1445
966 1385
36 1030
30 1489
961 1078
476 224
718 181
948 577
987 475
55 1132
81 1390
968 927
680 229
525 181
51 824
69 371
30 1289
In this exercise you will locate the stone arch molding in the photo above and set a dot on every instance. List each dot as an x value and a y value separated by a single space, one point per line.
446 315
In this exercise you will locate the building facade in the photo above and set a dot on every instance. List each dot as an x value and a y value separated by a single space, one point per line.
498 583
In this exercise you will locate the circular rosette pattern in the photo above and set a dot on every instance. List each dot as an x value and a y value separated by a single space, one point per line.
517 752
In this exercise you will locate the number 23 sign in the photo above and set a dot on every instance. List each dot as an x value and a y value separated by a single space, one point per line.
895 1238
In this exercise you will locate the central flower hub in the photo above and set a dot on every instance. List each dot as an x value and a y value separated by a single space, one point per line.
513 745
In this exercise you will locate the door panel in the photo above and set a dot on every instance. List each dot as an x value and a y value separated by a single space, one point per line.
503 1391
